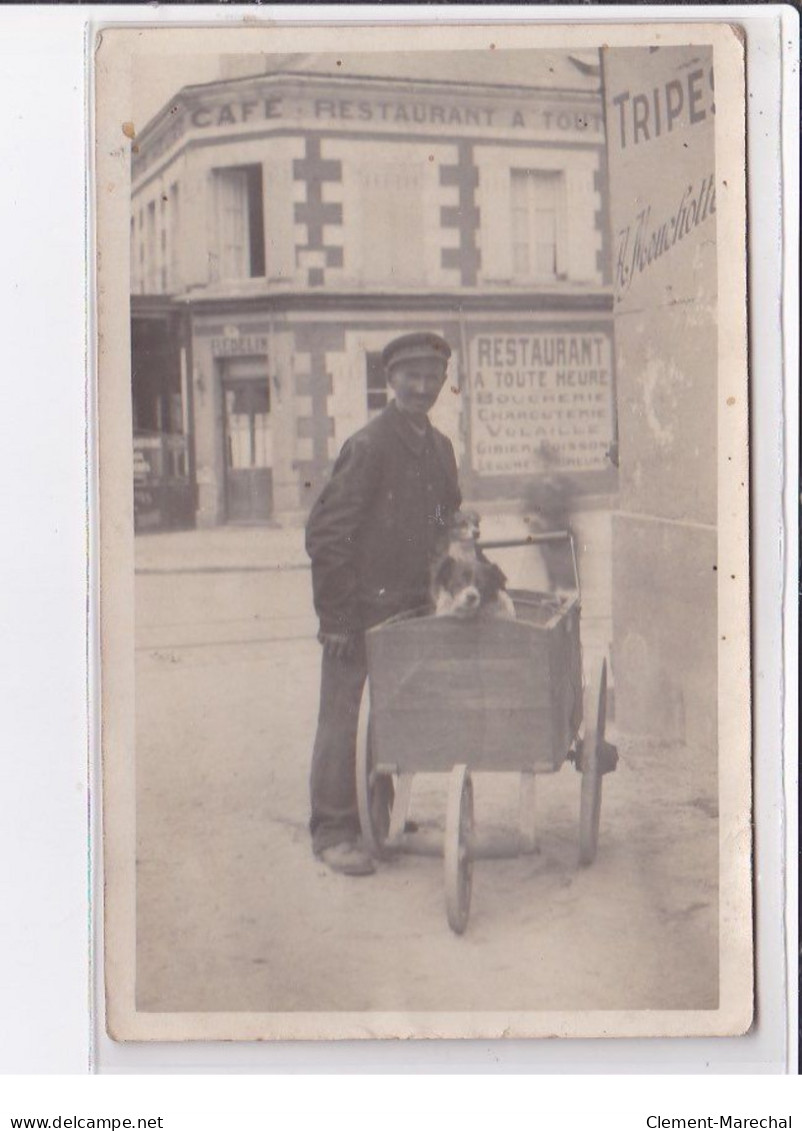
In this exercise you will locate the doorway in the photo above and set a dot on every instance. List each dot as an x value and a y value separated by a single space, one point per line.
248 448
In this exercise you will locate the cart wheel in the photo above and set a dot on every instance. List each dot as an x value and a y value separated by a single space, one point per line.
374 791
590 801
458 848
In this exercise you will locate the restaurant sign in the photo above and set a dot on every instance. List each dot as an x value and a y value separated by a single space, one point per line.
469 114
542 397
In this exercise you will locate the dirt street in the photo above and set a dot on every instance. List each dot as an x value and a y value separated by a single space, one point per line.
234 913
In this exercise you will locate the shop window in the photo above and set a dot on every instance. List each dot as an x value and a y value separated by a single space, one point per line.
536 203
376 383
240 222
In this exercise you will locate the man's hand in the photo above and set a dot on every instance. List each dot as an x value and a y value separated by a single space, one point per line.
338 645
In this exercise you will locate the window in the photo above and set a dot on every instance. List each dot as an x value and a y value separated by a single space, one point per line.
175 243
163 237
376 383
240 222
150 249
248 436
391 222
536 202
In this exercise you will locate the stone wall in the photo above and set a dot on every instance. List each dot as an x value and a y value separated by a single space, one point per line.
664 543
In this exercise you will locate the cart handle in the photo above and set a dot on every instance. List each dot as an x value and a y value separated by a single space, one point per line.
536 540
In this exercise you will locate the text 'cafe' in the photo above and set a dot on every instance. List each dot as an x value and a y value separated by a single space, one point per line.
286 226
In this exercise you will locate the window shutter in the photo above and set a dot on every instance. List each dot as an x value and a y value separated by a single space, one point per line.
547 199
279 220
495 223
232 224
409 223
176 279
580 205
392 225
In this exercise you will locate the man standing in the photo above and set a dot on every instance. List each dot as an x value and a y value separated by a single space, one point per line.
371 536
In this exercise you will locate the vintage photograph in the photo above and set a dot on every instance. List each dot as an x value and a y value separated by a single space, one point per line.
423 472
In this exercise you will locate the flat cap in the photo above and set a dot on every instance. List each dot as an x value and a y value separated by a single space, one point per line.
408 346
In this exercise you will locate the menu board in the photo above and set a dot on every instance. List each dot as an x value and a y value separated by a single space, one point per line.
541 399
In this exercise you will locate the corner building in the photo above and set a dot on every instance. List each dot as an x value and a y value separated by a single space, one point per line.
294 222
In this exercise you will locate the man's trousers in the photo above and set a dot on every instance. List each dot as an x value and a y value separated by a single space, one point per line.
335 817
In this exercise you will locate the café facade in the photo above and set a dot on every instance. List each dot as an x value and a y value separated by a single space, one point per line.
286 225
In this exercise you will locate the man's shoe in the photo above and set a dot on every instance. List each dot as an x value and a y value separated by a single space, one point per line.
348 859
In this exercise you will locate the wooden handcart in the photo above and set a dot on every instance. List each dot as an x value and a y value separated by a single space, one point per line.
454 696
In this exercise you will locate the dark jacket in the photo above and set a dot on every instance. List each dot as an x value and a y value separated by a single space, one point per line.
375 528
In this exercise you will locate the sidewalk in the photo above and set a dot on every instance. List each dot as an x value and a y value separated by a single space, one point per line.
220 549
249 548
270 549
275 549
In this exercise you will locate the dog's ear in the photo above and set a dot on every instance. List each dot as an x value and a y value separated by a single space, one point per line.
443 572
498 577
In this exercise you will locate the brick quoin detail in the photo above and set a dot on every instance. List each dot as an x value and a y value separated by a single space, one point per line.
315 340
315 171
601 224
319 426
464 217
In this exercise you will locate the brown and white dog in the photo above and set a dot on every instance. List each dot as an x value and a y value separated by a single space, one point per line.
464 583
463 534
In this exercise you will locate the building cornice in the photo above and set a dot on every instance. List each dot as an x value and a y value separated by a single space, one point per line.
408 85
155 306
453 303
244 109
189 95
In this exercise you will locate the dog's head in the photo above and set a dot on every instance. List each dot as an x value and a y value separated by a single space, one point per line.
464 527
460 536
463 587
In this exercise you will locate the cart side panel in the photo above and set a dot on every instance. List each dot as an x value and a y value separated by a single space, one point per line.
565 656
444 691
